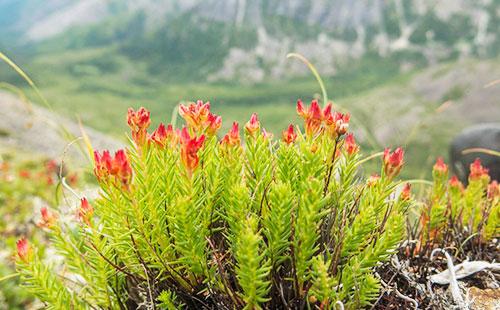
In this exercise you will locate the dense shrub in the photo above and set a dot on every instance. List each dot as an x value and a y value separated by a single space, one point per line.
187 220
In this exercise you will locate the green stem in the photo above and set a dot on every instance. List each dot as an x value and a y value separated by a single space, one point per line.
314 71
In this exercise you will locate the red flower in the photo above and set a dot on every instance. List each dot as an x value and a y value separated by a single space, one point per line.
440 167
86 211
121 167
477 171
289 135
213 124
73 178
25 174
253 125
164 136
406 192
233 137
51 166
313 116
196 114
455 183
493 190
48 218
106 166
24 250
139 122
189 149
393 162
350 144
337 123
102 164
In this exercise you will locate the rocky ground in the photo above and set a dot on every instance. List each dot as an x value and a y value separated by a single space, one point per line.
34 129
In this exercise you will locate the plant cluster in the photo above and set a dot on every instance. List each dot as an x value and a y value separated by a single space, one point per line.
25 186
454 213
185 219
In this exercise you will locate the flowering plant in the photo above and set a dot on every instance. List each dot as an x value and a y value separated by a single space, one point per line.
187 220
454 212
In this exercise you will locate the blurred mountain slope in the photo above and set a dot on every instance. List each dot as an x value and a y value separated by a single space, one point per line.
247 40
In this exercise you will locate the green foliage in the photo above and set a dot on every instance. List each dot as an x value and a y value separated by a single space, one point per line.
455 212
186 220
26 185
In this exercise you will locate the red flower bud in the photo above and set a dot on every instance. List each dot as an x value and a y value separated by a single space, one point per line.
350 144
86 211
189 150
477 171
48 218
406 192
51 166
213 124
493 190
139 122
253 125
440 167
102 164
196 114
313 116
121 167
164 136
289 135
233 137
25 174
393 162
106 166
455 183
24 250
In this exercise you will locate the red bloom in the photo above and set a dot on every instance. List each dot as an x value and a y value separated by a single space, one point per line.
73 178
25 174
189 149
337 123
253 125
86 211
454 182
393 162
440 167
196 114
139 122
350 144
493 190
48 218
24 250
289 135
106 166
233 137
164 136
477 171
406 192
102 164
121 167
213 124
313 116
51 166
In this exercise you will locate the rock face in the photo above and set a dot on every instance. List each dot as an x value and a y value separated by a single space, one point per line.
37 130
329 33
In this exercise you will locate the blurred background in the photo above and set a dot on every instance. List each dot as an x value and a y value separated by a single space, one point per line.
411 72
